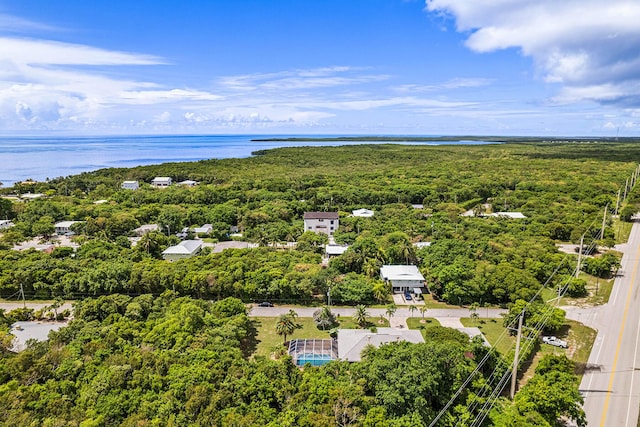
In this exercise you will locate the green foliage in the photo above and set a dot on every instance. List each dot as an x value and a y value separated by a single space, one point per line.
536 314
324 318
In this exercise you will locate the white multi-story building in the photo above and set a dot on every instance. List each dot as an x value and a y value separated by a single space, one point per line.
321 222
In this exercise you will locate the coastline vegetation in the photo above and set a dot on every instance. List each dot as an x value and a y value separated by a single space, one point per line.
149 347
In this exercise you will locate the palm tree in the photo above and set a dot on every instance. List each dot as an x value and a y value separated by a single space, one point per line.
412 309
285 325
380 291
391 310
360 315
423 311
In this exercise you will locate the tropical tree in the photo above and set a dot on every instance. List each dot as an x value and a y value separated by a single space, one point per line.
473 311
360 315
423 310
380 290
324 318
391 310
286 325
412 309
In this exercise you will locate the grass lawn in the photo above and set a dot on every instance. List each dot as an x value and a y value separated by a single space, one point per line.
493 331
579 337
599 292
622 230
266 337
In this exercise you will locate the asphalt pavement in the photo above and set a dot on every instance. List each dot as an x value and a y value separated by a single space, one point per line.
611 386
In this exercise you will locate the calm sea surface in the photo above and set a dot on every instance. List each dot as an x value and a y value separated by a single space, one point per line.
39 158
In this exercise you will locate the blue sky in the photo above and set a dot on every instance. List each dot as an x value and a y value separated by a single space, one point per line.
491 67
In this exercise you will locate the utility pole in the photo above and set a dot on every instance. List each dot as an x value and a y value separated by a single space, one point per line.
604 222
579 256
24 303
617 203
516 356
626 184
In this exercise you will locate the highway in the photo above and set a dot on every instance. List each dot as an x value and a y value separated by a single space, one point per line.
611 385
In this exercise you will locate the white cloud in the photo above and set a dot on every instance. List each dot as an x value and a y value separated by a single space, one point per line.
586 45
457 83
300 79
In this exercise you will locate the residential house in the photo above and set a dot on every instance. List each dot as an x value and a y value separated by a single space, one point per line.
161 182
64 228
130 185
335 250
5 223
205 229
363 213
188 183
145 228
184 249
351 342
321 222
403 278
509 215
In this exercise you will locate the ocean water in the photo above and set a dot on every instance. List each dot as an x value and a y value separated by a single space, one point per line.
39 158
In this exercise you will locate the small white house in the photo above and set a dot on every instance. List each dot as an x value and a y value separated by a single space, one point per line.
205 229
363 213
161 182
321 222
335 250
5 223
188 183
130 185
351 342
64 228
509 215
403 278
184 249
145 228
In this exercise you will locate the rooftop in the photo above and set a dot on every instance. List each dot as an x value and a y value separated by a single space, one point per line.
351 342
321 215
401 272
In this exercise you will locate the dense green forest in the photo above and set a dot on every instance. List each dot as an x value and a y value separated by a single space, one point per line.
563 189
160 343
168 361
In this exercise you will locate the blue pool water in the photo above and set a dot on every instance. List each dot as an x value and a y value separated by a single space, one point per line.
313 359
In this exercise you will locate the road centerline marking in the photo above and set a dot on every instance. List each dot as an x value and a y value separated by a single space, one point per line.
619 343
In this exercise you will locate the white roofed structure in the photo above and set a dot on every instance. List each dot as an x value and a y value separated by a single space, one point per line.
403 278
184 249
363 213
351 342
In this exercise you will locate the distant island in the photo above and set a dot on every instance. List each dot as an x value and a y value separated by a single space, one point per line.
396 138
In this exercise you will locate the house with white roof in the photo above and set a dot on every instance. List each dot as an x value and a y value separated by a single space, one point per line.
363 213
335 250
5 223
188 183
145 228
205 229
351 342
509 215
161 182
403 278
321 222
130 185
184 249
64 227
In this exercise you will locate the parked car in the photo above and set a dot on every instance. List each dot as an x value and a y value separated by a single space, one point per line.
265 304
407 296
551 340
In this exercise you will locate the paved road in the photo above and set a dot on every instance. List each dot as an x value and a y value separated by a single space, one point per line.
611 386
8 306
375 312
